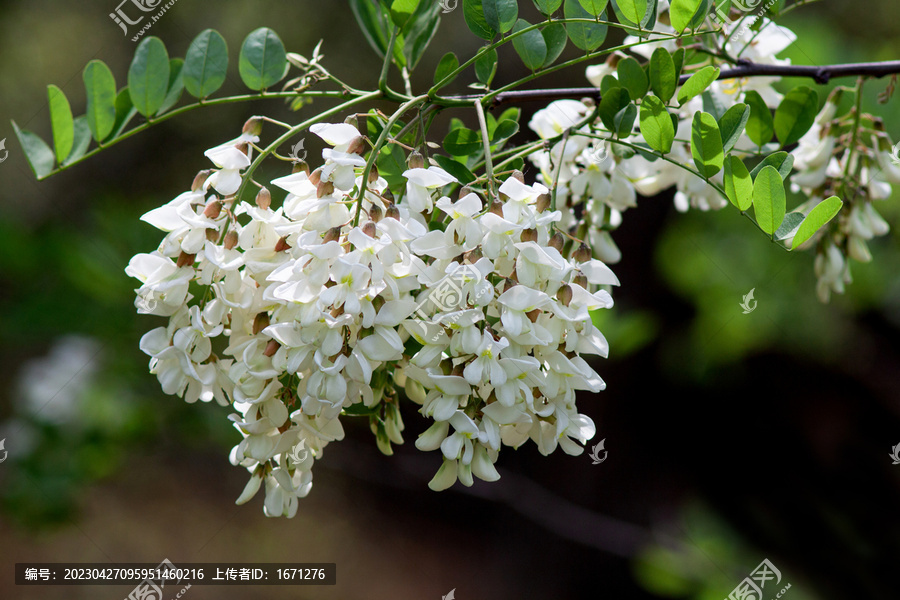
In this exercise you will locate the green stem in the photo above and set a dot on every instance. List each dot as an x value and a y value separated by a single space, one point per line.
188 108
379 144
488 163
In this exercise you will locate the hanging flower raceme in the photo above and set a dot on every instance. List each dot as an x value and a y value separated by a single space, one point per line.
478 310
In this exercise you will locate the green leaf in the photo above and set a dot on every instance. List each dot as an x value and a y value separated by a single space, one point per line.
625 119
263 60
769 199
732 125
501 15
176 85
530 47
585 36
40 156
62 122
738 183
205 64
100 86
148 76
505 129
419 31
402 10
594 7
611 104
548 7
609 83
455 168
463 142
486 67
371 19
706 144
81 140
473 12
125 111
634 10
821 213
555 37
391 164
656 124
697 84
678 59
448 64
681 12
632 77
663 78
760 126
782 161
796 114
790 225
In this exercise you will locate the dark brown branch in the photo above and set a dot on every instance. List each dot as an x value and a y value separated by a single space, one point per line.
821 75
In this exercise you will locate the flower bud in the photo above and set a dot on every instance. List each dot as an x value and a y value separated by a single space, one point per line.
564 295
325 188
543 202
517 174
533 315
580 280
529 235
200 179
416 160
253 126
464 191
352 120
369 229
281 245
583 254
473 256
557 241
243 147
212 235
357 146
373 174
260 322
392 212
300 165
264 198
332 235
213 209
375 213
316 176
185 259
588 102
231 239
496 208
271 348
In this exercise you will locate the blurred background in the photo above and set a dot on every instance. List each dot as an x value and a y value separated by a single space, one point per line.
732 438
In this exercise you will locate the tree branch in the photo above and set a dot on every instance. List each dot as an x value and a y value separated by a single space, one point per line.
821 75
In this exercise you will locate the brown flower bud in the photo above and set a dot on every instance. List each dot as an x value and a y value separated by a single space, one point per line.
496 208
185 259
580 280
529 235
564 295
243 147
264 198
231 240
200 179
543 202
213 209
325 188
253 126
332 235
373 174
375 213
260 322
212 235
557 241
392 212
369 229
464 191
352 120
416 160
271 348
316 176
281 245
357 146
583 254
300 165
519 175
473 256
533 315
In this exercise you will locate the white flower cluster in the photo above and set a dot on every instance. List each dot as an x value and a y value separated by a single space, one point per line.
325 306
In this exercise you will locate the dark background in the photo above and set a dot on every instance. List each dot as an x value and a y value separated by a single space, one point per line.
731 437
